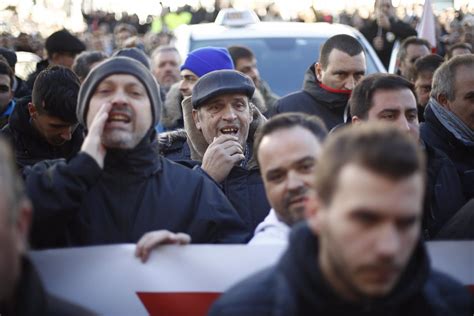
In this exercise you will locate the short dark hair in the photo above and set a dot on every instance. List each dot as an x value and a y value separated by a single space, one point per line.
83 62
289 120
55 93
345 43
360 101
463 45
379 148
238 52
5 69
425 64
411 40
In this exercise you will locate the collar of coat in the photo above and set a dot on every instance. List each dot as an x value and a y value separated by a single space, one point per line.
329 97
300 266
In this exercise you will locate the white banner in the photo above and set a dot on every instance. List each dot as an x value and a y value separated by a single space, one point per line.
181 280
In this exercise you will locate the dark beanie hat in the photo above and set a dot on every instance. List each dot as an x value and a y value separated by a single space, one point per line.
134 53
220 82
207 59
9 55
63 41
112 66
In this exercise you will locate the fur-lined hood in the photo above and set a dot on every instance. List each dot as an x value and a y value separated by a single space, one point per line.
172 114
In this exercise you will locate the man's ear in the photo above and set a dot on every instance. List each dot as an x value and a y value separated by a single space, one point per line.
32 110
55 58
443 100
356 120
319 72
23 223
313 213
196 119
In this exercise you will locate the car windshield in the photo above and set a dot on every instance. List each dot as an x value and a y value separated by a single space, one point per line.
282 62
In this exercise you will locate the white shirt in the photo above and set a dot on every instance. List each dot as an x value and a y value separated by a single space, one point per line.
271 231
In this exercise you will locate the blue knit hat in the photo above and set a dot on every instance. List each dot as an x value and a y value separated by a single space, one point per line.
203 60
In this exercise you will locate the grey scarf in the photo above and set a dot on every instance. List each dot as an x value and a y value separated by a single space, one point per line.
452 123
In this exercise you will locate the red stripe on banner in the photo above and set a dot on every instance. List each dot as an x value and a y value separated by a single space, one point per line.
471 289
174 304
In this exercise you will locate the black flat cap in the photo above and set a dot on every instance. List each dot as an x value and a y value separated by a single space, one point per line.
63 41
220 82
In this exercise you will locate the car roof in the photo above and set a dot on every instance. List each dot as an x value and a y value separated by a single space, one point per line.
266 29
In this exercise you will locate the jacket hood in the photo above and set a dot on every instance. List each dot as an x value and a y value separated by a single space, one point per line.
172 114
300 265
198 144
332 99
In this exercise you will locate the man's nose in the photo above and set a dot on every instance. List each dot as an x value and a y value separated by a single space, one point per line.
118 97
294 181
229 113
350 83
388 241
66 134
403 124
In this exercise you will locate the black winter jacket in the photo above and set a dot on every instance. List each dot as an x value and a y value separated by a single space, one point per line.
296 286
243 187
436 135
444 195
30 147
30 298
329 106
78 204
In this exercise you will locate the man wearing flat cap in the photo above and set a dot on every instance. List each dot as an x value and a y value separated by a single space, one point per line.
220 123
61 47
118 187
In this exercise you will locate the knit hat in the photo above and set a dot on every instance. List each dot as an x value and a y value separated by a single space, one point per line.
220 82
134 53
113 66
203 60
63 41
9 55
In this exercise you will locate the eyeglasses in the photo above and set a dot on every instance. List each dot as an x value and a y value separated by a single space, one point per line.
4 88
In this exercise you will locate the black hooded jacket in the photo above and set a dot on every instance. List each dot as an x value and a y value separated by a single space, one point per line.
30 147
78 204
296 286
329 106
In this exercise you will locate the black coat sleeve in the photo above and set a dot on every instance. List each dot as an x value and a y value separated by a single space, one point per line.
57 191
216 221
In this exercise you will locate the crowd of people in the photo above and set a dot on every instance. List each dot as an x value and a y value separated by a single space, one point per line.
128 143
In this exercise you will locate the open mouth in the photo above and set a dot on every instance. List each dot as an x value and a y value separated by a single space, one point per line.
229 130
117 117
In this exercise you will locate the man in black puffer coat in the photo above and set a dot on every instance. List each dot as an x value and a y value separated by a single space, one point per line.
118 187
361 253
328 84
